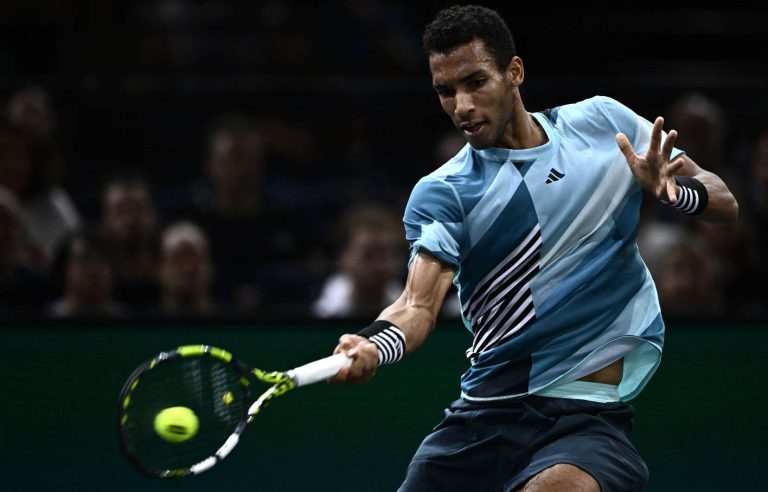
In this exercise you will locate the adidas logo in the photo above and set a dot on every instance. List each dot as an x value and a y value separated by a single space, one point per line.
554 175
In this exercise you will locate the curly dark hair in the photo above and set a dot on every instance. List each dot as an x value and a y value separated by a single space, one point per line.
461 24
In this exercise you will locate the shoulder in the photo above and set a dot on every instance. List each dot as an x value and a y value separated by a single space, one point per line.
436 195
594 114
600 107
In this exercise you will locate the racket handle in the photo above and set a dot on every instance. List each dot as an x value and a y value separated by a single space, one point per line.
319 370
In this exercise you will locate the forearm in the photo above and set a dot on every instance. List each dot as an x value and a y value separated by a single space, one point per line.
722 206
416 310
415 320
402 327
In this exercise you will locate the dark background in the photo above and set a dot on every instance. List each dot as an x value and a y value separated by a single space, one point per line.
342 95
138 82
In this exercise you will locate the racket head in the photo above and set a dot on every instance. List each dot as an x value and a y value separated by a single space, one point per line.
205 379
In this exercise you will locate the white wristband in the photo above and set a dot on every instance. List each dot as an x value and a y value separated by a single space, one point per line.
389 340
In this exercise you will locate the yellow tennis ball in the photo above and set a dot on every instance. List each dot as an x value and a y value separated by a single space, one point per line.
176 424
228 398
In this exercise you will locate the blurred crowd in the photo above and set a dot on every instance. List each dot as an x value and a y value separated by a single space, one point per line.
230 243
122 198
233 242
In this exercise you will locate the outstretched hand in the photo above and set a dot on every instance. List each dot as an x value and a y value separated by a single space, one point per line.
654 171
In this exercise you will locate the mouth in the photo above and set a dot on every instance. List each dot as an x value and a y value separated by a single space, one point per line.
472 128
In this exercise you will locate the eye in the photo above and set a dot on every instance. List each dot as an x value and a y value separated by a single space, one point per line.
476 83
443 92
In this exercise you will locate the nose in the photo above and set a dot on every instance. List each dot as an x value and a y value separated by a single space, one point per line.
464 105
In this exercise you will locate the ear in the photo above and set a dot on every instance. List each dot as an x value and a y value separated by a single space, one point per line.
515 71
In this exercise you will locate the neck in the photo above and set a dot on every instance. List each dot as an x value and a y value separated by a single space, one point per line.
523 131
237 203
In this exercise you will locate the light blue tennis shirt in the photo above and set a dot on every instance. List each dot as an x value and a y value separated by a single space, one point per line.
543 240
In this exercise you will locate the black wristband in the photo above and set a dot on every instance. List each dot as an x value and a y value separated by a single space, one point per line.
388 338
692 196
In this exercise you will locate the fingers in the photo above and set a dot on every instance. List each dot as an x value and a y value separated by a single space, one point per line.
655 143
672 190
669 143
671 184
625 147
365 360
347 343
675 166
364 365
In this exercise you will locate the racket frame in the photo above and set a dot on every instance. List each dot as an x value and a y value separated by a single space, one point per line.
134 380
281 382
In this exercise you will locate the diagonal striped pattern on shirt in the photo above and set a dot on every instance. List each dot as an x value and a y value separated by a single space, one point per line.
502 303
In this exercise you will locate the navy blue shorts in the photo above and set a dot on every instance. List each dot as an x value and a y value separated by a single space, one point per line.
502 447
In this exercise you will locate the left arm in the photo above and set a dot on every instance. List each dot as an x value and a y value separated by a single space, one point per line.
655 173
722 206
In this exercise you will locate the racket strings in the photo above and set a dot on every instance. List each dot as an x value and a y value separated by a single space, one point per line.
211 388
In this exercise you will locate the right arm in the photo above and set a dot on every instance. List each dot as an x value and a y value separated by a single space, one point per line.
414 312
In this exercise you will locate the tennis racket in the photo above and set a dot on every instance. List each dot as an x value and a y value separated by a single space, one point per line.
217 388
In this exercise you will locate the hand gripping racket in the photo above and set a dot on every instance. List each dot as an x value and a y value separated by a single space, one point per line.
217 389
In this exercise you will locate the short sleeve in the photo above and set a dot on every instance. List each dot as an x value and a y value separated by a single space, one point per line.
434 221
635 127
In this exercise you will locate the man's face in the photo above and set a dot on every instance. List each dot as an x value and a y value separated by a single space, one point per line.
236 161
372 256
129 215
89 273
474 92
185 268
15 163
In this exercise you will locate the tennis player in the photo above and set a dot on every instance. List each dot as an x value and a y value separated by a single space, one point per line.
535 222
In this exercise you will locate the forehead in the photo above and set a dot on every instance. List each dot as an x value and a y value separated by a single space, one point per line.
120 192
224 142
460 61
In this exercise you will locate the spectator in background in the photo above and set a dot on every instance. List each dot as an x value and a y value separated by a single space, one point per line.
47 209
130 224
23 290
736 250
30 110
185 271
15 161
756 191
370 263
84 273
756 186
258 244
703 129
688 282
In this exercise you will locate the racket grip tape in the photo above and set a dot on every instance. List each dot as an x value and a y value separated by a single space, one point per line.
319 370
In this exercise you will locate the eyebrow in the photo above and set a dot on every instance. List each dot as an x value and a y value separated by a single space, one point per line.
470 76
